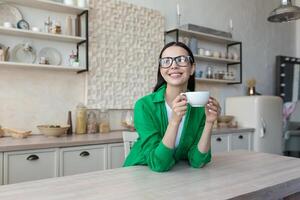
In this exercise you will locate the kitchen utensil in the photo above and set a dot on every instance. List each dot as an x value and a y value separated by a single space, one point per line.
9 13
52 55
53 130
24 53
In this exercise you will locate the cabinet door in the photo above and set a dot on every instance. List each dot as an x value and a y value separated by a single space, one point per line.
1 168
241 141
116 155
219 143
75 160
22 166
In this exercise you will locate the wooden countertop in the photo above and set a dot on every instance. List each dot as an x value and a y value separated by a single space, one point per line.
40 141
236 174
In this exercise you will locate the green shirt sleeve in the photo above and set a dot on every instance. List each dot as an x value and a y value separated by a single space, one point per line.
198 159
157 156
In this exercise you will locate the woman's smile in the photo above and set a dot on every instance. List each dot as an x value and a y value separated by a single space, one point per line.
175 74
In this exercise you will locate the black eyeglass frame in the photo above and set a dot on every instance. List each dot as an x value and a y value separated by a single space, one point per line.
190 59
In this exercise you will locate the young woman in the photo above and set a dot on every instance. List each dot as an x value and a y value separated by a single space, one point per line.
170 129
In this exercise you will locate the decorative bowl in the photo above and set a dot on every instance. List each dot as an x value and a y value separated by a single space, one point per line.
53 130
225 118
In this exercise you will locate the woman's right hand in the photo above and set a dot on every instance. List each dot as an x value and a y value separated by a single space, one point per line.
179 107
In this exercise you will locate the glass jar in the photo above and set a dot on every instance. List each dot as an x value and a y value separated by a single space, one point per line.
209 72
81 119
104 121
92 122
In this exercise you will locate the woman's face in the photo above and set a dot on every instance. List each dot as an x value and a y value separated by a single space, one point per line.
177 75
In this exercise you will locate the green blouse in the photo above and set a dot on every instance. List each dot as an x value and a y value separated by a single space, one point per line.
151 121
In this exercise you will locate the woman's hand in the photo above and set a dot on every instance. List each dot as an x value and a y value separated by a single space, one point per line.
179 107
212 110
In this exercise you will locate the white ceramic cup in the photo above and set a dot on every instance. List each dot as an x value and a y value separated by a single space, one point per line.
197 99
7 25
35 29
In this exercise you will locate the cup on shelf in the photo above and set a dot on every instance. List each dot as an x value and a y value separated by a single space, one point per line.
82 3
207 53
230 56
7 25
216 54
201 51
69 2
35 29
236 56
223 55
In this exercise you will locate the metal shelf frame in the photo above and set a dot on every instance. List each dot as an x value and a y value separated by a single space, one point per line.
229 43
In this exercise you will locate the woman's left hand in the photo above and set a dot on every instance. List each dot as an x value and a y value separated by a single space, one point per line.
212 110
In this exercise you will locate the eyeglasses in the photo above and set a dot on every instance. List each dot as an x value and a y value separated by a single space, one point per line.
182 61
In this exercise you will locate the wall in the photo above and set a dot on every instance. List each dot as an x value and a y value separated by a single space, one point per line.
123 53
262 40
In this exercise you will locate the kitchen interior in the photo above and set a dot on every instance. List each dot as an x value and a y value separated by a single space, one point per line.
72 70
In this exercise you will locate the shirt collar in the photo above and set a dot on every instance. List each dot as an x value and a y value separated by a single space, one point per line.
159 95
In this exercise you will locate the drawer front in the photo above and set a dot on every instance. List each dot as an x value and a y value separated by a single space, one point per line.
22 166
241 141
116 155
75 160
1 168
219 143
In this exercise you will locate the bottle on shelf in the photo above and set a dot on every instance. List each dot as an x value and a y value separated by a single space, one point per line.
92 122
81 119
104 121
69 27
70 130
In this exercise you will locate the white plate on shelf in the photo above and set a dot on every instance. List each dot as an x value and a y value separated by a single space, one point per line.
9 13
20 54
51 54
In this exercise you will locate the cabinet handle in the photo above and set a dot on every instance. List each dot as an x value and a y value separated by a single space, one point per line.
219 139
32 157
241 137
84 154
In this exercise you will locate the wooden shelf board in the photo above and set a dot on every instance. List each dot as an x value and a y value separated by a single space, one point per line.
40 35
221 60
205 36
38 66
49 5
215 80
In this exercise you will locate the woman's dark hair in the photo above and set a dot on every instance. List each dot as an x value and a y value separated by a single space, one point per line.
161 80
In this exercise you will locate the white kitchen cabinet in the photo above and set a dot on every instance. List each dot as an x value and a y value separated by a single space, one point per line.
1 168
115 156
231 141
220 143
241 141
30 165
75 160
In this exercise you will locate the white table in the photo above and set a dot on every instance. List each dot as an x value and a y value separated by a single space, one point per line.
237 174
